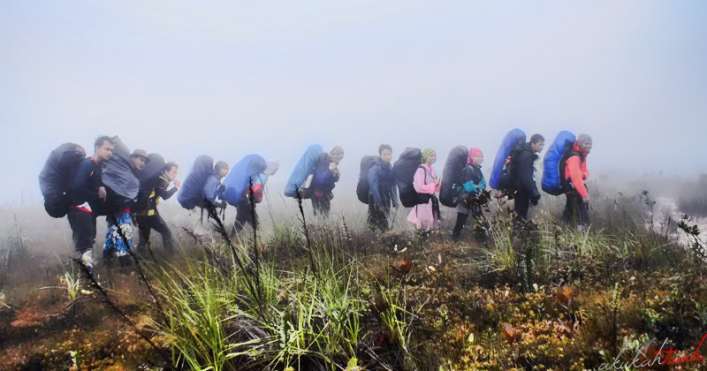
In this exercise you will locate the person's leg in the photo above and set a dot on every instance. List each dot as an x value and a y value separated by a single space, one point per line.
163 229
477 222
83 228
521 205
461 220
244 215
377 218
145 225
384 218
583 213
571 214
316 205
372 223
326 204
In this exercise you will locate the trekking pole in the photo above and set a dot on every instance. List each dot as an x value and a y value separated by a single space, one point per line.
306 234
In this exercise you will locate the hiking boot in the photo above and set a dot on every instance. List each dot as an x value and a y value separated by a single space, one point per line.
87 259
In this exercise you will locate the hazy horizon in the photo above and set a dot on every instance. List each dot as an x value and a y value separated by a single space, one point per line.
234 78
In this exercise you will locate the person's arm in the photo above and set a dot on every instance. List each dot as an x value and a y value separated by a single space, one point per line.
470 187
163 192
576 176
374 184
335 174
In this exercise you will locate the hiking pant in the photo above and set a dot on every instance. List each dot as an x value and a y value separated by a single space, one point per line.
462 216
321 203
522 204
244 215
378 217
83 229
576 210
119 234
147 223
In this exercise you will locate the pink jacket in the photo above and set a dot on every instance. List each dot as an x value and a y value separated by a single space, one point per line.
423 182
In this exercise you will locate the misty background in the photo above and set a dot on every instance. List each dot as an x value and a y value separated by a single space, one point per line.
236 77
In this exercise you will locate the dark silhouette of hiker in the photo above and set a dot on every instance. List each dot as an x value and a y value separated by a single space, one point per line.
523 175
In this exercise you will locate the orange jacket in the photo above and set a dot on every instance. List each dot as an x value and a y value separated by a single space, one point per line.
576 171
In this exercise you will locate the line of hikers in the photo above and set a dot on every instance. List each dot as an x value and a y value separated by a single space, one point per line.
127 187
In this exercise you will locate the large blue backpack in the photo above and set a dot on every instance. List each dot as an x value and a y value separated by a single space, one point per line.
192 192
304 168
54 180
452 176
239 179
500 174
553 181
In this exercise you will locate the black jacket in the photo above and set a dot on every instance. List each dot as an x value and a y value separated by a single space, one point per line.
381 184
523 171
147 203
84 186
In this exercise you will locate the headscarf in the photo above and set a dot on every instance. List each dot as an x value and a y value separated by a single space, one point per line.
426 154
337 152
473 153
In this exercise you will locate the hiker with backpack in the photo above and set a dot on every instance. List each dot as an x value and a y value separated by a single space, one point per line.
88 196
324 178
148 216
425 214
253 193
575 174
473 186
522 174
214 188
377 187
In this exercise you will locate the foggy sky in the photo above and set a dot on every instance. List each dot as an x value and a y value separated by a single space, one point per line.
236 77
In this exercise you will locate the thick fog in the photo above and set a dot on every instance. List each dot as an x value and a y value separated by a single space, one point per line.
185 78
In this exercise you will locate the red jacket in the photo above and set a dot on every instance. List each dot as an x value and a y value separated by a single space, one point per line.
576 171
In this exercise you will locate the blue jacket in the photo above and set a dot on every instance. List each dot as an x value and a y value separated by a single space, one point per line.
382 185
474 182
324 180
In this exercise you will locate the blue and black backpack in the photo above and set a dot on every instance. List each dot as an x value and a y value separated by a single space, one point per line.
56 175
242 175
553 181
191 194
500 178
303 169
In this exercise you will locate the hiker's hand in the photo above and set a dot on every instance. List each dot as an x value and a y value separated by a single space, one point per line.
177 183
102 194
586 199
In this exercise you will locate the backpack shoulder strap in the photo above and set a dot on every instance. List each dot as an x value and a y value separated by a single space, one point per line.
425 170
